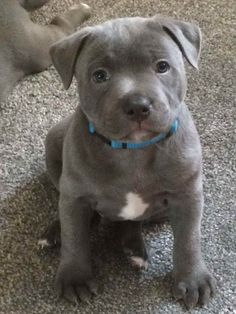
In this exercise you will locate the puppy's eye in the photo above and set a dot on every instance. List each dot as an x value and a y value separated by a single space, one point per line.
100 76
162 67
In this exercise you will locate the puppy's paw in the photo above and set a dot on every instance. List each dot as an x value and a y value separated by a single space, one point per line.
195 288
51 237
138 262
137 255
73 283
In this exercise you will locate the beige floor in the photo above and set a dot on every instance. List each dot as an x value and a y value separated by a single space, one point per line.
29 202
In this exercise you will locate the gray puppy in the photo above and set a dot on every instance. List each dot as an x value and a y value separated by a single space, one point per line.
130 151
25 45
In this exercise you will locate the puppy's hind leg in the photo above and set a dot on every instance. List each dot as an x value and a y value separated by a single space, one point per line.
41 37
31 5
132 243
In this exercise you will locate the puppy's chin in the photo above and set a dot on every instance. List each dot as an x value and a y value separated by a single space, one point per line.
139 135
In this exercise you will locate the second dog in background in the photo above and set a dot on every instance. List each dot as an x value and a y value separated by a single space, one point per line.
25 45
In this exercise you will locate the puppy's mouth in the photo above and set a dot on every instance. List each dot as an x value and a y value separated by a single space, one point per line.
140 133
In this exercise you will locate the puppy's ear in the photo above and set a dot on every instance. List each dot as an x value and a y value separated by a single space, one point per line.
65 52
186 35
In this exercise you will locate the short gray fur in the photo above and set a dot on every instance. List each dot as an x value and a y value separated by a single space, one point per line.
90 175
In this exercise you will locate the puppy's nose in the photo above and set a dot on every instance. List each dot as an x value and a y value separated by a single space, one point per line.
137 107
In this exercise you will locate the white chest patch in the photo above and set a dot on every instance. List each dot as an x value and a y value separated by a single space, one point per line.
135 207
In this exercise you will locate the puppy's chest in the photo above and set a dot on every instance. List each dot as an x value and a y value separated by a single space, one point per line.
134 207
131 197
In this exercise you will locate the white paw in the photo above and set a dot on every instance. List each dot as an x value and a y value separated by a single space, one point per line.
42 243
138 262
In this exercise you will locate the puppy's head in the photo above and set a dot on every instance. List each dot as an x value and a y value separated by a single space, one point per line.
130 73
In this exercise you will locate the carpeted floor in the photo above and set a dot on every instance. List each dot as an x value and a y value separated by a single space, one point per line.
28 201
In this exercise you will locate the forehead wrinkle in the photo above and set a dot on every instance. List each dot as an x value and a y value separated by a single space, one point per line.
101 60
98 53
119 44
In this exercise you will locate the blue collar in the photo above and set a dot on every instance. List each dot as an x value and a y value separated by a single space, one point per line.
133 145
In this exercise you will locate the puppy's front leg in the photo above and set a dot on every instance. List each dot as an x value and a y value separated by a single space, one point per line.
192 281
74 275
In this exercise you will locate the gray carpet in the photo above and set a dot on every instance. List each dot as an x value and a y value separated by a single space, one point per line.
28 201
